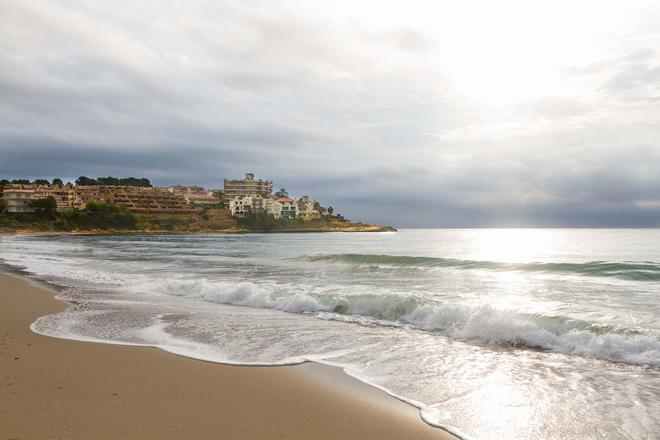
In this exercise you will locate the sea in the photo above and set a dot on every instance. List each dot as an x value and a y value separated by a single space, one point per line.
491 333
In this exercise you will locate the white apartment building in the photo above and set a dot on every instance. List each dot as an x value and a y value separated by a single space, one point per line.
274 207
287 207
307 209
284 207
18 200
240 206
18 196
246 187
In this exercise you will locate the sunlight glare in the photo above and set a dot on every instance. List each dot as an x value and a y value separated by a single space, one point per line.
514 245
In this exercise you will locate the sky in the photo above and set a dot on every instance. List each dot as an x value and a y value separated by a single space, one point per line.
415 114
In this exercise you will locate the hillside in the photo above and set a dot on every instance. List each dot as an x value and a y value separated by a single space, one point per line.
101 218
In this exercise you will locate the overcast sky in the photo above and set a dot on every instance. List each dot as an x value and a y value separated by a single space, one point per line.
415 113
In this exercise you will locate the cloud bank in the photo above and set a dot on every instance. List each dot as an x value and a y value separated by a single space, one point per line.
368 112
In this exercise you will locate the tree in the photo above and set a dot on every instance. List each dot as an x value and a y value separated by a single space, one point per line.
133 181
282 193
44 207
86 181
110 181
20 182
41 182
4 182
128 181
330 210
57 181
3 205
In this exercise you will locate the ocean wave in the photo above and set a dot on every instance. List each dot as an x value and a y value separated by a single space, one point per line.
637 271
482 324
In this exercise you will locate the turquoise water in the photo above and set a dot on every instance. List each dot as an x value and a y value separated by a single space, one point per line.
530 334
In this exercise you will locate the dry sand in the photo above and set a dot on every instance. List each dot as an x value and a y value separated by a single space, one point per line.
61 389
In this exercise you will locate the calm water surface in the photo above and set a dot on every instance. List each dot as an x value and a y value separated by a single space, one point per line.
494 334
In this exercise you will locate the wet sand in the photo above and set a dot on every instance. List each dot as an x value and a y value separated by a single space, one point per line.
61 389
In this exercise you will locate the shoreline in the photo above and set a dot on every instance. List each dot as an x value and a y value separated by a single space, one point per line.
223 231
73 389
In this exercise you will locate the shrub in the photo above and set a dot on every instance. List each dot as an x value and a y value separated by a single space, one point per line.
44 207
99 216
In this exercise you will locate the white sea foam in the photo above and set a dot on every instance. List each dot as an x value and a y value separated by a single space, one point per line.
482 323
65 268
477 323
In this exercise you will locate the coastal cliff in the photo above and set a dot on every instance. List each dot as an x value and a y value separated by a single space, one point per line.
103 219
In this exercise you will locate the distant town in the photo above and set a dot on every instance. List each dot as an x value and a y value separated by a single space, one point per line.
242 197
109 203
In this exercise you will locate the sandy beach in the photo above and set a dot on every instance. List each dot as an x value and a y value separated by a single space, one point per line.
63 389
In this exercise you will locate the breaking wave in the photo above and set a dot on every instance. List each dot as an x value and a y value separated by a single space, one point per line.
482 324
645 271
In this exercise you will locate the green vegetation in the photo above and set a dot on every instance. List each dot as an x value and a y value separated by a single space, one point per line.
100 217
263 222
282 193
113 181
4 182
268 223
44 208
96 216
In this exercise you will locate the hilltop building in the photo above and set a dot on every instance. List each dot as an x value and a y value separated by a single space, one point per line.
241 206
195 195
19 196
17 199
282 207
246 187
148 200
308 209
86 194
287 208
69 197
249 196
241 197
